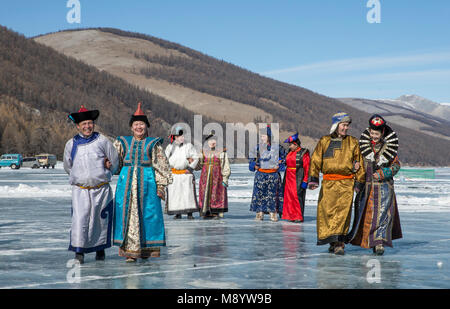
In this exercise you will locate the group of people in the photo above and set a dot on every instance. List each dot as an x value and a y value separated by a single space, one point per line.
132 217
367 166
215 171
147 174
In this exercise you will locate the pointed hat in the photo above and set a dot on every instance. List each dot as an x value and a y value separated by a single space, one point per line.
139 116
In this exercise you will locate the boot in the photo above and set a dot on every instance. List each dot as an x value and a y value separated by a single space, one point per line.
273 217
100 255
378 250
130 260
339 249
177 216
155 254
331 248
190 216
79 257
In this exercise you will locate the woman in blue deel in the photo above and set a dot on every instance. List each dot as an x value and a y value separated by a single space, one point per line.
138 219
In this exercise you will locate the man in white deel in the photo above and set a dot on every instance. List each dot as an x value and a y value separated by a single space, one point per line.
183 158
87 157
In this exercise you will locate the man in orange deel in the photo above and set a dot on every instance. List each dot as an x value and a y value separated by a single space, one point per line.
338 157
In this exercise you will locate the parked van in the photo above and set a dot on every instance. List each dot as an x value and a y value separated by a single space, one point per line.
46 160
30 162
13 161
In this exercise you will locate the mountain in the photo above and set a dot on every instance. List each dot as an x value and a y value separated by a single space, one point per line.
426 106
410 111
111 70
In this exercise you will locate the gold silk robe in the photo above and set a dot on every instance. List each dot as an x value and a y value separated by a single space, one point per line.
335 157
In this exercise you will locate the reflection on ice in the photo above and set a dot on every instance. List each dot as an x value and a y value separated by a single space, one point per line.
236 252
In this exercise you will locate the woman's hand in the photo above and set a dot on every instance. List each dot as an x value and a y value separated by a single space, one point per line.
161 195
376 176
356 166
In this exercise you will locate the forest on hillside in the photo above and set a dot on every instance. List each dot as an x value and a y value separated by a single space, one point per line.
50 82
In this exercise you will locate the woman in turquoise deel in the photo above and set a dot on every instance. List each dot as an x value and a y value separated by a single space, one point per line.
138 219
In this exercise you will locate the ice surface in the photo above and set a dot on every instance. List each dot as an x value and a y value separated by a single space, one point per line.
236 252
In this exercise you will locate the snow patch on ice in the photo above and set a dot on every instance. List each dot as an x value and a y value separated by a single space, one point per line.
22 251
410 203
24 191
213 284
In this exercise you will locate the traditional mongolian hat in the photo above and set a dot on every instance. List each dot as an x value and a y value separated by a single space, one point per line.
337 119
376 122
389 149
139 116
293 139
178 131
211 135
84 114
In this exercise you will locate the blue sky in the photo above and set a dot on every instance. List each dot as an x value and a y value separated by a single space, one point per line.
327 46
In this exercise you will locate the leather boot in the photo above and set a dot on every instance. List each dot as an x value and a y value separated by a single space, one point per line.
339 249
379 250
331 248
100 255
273 217
79 257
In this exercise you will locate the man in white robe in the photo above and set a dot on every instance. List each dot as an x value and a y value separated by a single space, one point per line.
181 194
86 157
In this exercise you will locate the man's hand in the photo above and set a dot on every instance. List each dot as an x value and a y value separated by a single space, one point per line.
107 163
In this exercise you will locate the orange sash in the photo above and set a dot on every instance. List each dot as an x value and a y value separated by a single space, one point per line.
175 171
267 170
336 177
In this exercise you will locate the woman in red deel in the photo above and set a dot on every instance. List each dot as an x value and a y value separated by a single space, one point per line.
295 180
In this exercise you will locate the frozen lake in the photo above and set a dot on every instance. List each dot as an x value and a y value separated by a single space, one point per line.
236 252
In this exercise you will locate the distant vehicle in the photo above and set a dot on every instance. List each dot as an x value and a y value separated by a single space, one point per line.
13 160
46 160
32 162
